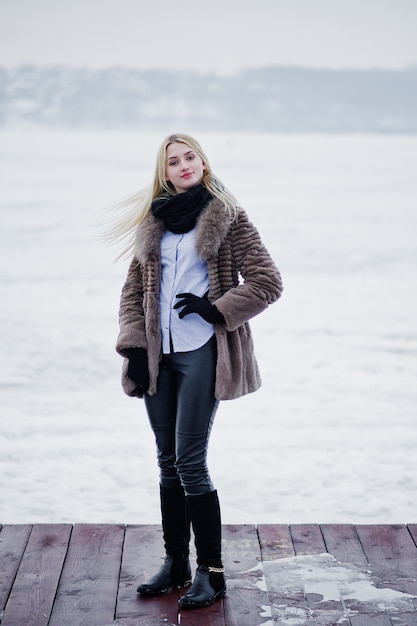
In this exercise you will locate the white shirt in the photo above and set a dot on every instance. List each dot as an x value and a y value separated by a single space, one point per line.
182 272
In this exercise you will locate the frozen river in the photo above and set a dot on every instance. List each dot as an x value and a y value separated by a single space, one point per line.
332 434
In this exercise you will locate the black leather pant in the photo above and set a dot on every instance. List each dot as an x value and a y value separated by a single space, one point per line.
181 415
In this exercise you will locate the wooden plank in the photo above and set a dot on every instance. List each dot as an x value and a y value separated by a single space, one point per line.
288 604
142 556
88 588
275 541
343 543
32 596
392 555
246 602
13 541
307 539
412 529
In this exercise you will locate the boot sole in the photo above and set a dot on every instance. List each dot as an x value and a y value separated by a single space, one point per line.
190 604
157 592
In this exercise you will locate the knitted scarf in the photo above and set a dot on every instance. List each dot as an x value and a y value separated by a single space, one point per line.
180 212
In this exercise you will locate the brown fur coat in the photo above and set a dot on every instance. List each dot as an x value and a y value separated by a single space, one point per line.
243 282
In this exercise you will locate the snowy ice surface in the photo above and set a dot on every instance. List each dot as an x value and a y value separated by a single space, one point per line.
330 437
325 577
325 580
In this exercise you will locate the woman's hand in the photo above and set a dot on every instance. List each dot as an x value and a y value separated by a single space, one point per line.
201 306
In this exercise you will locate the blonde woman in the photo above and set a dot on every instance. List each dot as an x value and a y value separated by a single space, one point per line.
199 272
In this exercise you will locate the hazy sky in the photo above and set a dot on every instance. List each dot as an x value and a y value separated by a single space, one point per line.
219 35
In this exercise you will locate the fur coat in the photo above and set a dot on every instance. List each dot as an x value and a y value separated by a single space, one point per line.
243 281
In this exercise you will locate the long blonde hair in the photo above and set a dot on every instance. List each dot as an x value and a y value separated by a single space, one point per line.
131 211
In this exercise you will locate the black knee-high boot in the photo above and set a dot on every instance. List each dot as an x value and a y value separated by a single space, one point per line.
209 581
175 571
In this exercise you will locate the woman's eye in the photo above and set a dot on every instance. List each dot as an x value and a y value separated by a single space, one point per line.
191 157
173 162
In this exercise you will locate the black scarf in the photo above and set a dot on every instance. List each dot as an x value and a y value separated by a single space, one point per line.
180 212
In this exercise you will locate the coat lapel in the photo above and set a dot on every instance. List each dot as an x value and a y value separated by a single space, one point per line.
212 228
148 239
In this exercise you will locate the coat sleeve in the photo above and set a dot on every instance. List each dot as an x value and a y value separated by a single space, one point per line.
131 314
260 281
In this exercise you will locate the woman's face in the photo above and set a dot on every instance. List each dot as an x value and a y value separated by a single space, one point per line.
184 168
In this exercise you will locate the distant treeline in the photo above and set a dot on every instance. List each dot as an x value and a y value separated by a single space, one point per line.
269 99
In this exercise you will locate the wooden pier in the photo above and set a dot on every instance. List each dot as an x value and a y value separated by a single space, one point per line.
316 575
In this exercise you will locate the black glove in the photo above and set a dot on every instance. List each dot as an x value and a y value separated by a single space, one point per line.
201 306
137 369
